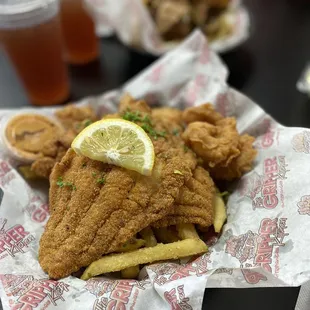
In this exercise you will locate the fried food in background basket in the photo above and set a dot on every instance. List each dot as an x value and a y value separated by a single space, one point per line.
175 19
102 207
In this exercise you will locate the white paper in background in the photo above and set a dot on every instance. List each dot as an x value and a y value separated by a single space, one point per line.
265 242
135 27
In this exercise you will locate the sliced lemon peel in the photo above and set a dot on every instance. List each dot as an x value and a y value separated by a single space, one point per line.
118 142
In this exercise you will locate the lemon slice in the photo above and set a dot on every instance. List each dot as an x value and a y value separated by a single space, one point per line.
118 142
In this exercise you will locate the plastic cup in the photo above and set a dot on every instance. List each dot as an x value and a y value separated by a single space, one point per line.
79 33
30 33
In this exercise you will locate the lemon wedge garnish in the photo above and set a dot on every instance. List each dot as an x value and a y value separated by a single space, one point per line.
118 142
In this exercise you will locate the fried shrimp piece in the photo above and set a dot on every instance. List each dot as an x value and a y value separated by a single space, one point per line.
215 139
53 150
74 118
171 115
129 103
240 164
201 113
214 144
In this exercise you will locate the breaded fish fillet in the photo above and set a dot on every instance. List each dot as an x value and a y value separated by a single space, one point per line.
194 203
96 207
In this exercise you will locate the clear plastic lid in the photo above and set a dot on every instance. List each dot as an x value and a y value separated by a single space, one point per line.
25 13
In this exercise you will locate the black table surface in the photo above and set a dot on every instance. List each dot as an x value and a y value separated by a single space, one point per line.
266 68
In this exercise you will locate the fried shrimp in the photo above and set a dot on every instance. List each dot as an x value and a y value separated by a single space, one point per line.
202 113
214 144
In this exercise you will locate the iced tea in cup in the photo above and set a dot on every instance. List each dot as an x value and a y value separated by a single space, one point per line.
78 27
30 33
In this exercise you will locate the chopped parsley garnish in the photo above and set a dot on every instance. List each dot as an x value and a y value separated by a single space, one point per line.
175 132
144 122
94 174
186 148
133 116
87 122
101 180
62 183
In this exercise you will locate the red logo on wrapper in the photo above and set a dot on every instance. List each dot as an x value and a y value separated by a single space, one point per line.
5 175
37 209
156 73
304 205
168 272
259 249
13 240
266 191
205 54
27 293
224 105
270 135
301 142
177 299
114 294
194 89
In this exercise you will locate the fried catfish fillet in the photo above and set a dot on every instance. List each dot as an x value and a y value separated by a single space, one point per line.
95 207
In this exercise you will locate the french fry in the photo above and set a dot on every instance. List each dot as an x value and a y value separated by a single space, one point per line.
115 262
130 272
27 173
187 231
131 245
149 237
166 234
219 213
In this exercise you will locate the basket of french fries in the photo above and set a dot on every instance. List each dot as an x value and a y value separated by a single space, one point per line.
143 197
157 26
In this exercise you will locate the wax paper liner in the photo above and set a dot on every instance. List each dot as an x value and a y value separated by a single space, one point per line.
264 243
135 27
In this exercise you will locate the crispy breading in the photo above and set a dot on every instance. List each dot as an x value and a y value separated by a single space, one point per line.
89 219
214 144
201 113
73 119
194 203
129 103
239 165
225 153
43 167
171 116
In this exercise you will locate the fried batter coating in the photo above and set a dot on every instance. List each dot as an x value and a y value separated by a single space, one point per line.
225 153
73 119
240 164
89 219
194 203
171 115
214 144
201 113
